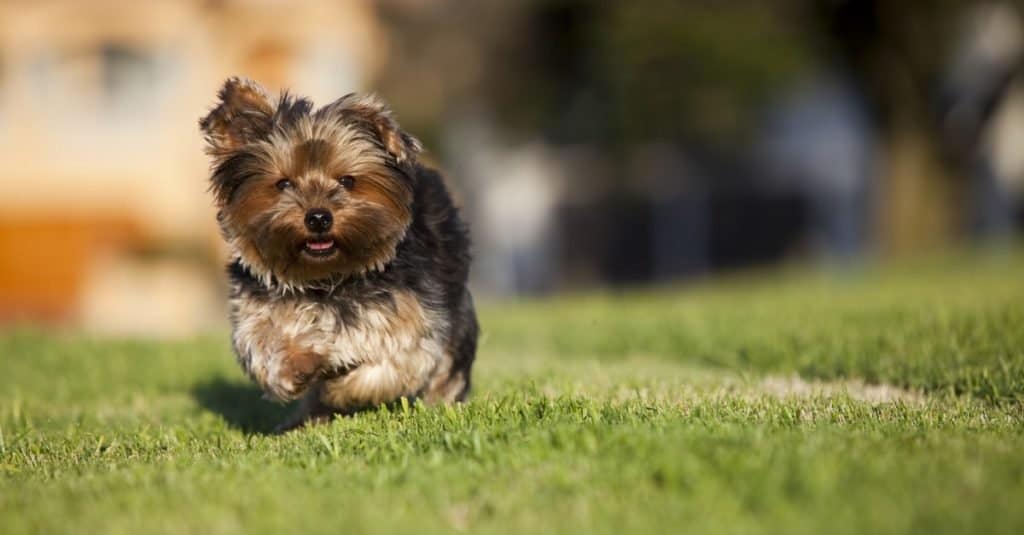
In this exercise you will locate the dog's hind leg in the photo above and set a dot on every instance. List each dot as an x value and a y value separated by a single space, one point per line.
451 380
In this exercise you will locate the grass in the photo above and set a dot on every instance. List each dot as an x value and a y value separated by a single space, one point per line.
887 402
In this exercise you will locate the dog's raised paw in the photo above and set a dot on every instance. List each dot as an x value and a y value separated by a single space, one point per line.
297 372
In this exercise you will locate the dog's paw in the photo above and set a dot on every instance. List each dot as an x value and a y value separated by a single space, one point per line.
296 373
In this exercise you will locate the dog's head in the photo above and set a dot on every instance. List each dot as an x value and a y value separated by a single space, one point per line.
308 195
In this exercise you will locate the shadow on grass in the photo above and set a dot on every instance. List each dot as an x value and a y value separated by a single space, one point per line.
241 405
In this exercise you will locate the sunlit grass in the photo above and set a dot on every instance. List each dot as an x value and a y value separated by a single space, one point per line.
889 401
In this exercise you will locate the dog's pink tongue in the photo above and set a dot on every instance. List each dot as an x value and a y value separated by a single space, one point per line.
320 245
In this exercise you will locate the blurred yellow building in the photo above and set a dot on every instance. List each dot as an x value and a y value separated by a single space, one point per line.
105 222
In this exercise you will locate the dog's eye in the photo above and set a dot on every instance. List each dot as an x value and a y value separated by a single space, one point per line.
347 181
284 184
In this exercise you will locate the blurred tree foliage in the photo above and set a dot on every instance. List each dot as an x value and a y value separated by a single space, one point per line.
687 71
615 73
693 73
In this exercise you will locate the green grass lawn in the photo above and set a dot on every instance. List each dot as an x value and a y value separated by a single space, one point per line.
889 401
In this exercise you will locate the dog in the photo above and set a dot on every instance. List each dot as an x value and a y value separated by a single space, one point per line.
349 260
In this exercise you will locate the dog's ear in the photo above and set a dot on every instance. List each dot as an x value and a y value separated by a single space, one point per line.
369 112
243 114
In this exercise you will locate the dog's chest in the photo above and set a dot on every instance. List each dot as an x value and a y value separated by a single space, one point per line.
268 330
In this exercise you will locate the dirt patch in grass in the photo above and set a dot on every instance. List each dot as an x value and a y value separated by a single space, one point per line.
794 386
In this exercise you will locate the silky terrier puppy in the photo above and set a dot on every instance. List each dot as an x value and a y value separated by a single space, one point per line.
349 259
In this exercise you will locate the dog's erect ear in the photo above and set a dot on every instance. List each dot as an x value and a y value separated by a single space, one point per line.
243 114
370 112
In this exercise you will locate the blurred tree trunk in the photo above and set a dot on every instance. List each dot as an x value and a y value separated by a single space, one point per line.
921 202
898 51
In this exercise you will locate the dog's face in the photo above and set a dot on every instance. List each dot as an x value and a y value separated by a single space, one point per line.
308 195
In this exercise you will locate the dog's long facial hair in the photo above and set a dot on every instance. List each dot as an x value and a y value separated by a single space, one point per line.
308 197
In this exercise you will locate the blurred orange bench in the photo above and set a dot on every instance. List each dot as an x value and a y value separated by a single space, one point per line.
44 260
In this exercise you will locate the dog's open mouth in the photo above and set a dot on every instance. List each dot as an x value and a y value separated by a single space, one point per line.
320 247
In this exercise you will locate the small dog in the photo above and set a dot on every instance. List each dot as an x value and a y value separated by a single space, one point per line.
350 262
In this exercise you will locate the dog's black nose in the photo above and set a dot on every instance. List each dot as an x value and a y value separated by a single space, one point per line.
318 220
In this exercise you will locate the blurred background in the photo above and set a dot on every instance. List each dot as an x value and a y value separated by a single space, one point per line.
590 143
